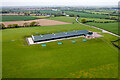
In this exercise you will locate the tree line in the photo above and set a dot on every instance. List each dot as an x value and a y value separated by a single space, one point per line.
2 26
85 21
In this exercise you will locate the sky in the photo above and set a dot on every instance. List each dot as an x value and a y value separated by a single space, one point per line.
59 2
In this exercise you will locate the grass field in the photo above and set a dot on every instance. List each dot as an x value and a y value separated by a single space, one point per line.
93 58
112 27
81 14
41 11
40 16
49 11
95 12
100 11
117 43
17 18
63 18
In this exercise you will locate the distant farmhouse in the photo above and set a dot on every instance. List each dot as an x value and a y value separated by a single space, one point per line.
67 15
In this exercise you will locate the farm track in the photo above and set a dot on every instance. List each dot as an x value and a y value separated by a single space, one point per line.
97 28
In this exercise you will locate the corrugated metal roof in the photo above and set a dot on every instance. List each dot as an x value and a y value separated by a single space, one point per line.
58 35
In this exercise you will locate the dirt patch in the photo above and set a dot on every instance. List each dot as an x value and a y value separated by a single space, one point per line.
42 22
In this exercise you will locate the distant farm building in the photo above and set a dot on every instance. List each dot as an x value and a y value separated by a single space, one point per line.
67 15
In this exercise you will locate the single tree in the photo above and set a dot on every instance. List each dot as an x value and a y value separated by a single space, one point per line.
25 14
83 21
18 13
2 26
10 25
33 23
26 24
15 25
78 16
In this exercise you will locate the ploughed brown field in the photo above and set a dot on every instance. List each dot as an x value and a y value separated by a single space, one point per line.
42 22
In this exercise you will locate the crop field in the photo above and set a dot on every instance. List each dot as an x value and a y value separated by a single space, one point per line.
100 11
95 58
40 16
103 12
17 18
81 14
94 12
112 27
41 11
64 19
49 11
108 11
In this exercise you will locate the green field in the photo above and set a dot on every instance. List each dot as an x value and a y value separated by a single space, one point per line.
63 18
49 11
100 11
40 16
81 14
117 43
95 12
41 11
96 58
112 27
17 18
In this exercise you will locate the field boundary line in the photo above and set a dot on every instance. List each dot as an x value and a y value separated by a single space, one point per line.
109 44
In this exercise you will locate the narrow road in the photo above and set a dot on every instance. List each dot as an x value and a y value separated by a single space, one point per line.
97 28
